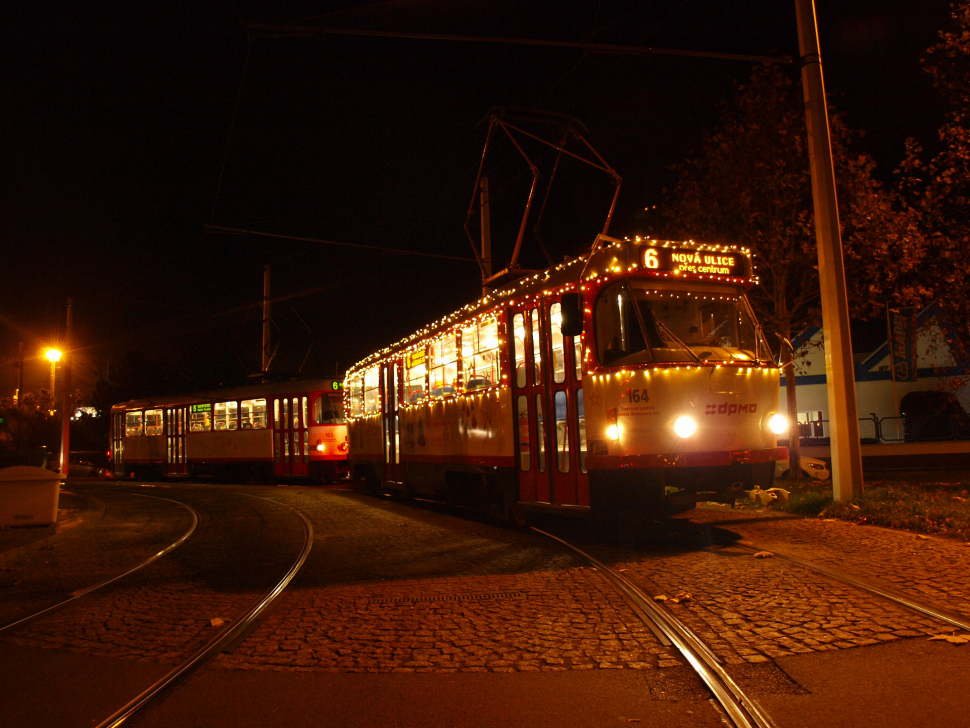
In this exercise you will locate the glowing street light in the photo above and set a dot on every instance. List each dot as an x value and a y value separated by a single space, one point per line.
53 356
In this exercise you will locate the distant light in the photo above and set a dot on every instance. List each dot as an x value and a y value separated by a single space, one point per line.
53 355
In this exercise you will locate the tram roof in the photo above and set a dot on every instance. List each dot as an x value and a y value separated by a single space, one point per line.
245 391
560 278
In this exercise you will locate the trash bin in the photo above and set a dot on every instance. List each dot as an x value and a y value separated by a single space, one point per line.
28 496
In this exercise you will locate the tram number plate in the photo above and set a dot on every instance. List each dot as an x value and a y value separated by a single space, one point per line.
700 262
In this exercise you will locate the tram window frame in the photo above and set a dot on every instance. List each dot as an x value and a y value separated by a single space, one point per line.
525 432
443 353
561 436
536 348
518 347
371 390
416 375
326 415
225 414
296 414
155 416
581 428
255 417
355 394
480 354
134 422
540 434
555 331
200 417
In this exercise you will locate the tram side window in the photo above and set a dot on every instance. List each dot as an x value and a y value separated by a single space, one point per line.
372 390
562 433
581 416
200 418
525 454
226 415
153 422
133 424
444 362
518 348
536 349
355 389
253 414
479 354
416 374
558 348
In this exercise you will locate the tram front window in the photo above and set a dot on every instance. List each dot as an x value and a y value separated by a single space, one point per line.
639 321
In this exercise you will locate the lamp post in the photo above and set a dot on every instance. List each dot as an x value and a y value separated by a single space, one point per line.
53 356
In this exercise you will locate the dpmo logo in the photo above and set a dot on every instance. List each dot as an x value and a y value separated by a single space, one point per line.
731 409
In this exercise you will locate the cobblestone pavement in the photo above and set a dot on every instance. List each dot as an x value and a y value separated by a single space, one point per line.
103 537
162 613
931 569
395 588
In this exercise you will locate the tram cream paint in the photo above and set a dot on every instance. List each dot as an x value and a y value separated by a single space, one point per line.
700 392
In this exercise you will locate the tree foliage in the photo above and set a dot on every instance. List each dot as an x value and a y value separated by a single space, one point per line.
750 184
28 426
939 188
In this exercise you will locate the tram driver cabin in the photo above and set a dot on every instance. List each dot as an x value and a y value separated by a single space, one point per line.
634 379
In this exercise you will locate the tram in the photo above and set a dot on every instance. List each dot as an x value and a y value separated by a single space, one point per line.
632 379
259 432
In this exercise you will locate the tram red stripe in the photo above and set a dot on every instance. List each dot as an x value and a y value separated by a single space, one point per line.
686 459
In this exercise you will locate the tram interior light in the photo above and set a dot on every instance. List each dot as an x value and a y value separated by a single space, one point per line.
778 424
685 426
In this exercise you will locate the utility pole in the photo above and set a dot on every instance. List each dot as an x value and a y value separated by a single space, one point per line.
267 310
839 367
486 235
68 410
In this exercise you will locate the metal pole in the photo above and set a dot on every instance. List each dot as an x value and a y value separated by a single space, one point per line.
267 310
68 410
839 368
486 235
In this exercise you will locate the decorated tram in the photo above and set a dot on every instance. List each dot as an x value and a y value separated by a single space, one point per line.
632 379
260 432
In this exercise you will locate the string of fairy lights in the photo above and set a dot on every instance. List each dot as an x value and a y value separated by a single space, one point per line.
604 265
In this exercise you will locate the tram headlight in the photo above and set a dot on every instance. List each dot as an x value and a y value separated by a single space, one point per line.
685 426
778 424
613 432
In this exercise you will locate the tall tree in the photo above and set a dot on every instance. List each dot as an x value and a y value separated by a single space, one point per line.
750 184
940 187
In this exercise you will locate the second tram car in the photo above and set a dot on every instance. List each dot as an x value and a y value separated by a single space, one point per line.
652 389
291 429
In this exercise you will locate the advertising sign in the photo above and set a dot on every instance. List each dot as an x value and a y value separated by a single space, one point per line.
902 343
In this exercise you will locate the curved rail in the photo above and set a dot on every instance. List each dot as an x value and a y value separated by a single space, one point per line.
84 592
743 711
893 596
235 631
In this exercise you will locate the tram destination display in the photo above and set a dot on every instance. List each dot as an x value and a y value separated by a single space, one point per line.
698 262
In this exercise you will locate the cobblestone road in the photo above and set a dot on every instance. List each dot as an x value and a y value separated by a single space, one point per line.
395 588
164 612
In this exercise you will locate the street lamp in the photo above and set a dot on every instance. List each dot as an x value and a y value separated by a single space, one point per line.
53 356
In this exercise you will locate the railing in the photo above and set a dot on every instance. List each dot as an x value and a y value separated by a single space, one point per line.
874 430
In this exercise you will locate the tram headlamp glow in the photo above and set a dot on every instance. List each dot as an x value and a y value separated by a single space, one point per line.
321 447
778 424
685 426
613 432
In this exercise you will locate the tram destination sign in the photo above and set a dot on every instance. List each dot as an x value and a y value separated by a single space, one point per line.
701 262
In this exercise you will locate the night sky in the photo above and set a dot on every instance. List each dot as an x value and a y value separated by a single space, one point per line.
117 116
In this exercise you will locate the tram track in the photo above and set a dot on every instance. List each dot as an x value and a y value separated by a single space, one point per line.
867 586
236 630
742 710
81 593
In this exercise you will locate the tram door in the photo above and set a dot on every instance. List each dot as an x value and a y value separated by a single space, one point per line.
118 445
176 419
530 408
390 416
291 442
566 421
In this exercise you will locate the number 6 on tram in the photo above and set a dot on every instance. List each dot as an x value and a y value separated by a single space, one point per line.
635 379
